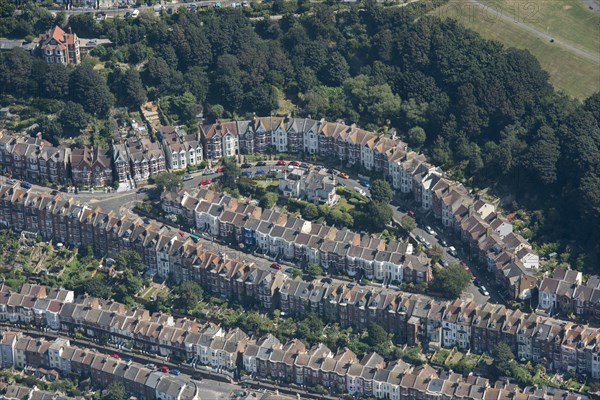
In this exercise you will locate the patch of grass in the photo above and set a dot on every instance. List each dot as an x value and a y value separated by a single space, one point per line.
570 20
569 72
440 357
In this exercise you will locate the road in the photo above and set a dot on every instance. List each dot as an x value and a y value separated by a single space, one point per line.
112 12
559 42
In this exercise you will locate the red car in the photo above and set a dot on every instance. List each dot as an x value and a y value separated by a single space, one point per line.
295 163
204 182
219 170
115 356
280 162
276 266
164 369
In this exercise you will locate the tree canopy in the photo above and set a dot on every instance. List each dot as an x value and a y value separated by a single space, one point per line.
451 280
168 181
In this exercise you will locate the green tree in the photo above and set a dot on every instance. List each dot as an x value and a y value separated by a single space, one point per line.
95 286
543 155
310 329
435 253
268 200
381 191
88 88
335 71
115 391
197 83
15 69
310 212
189 294
379 215
376 335
184 106
231 172
416 137
216 112
73 119
128 86
227 87
503 359
55 81
451 281
314 270
408 223
167 181
131 260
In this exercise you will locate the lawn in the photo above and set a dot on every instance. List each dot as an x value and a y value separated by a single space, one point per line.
440 356
571 73
570 20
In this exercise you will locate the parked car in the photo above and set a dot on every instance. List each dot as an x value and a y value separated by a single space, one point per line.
350 285
464 264
54 192
280 162
295 163
484 291
204 182
175 371
477 282
411 213
365 183
361 191
427 244
420 238
327 280
188 178
164 369
430 230
289 270
92 43
260 172
261 164
150 366
344 175
452 251
11 181
246 165
115 355
219 170
444 262
276 265
247 173
305 165
443 243
208 171
26 185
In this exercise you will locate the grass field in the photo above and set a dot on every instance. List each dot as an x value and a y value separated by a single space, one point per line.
567 20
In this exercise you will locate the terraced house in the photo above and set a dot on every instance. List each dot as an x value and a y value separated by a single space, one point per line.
559 345
283 236
486 235
341 371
